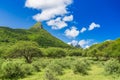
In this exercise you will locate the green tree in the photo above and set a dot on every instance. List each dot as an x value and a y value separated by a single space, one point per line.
27 49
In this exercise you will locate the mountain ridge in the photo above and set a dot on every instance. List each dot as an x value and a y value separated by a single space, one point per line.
36 33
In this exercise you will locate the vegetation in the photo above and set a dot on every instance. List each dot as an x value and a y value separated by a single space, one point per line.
105 50
13 69
27 49
27 56
112 67
55 52
36 34
81 66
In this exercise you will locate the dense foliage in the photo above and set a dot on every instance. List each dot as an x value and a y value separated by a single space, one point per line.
27 49
14 69
81 66
112 67
105 50
36 33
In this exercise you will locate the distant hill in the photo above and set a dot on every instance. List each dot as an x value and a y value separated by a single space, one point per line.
109 48
107 44
36 33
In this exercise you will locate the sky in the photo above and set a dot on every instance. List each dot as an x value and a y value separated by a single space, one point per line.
76 22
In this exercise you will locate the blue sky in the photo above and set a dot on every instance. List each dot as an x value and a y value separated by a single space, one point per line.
69 20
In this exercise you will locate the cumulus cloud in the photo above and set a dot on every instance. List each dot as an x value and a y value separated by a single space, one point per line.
57 23
68 18
87 46
93 25
72 33
83 43
83 30
73 42
49 14
49 8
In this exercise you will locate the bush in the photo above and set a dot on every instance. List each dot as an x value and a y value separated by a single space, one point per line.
112 67
36 66
27 69
15 69
55 52
55 68
65 62
75 52
42 62
11 69
50 76
81 66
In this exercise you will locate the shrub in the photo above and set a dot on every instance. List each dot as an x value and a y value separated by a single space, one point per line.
75 52
42 62
27 69
112 67
50 76
65 62
36 66
55 68
55 52
81 66
15 69
11 69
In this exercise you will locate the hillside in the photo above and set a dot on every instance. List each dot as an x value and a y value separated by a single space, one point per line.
36 33
106 49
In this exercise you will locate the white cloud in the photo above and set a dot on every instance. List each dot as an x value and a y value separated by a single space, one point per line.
49 14
68 18
73 42
83 30
83 43
108 40
87 46
57 23
72 33
93 25
49 8
86 43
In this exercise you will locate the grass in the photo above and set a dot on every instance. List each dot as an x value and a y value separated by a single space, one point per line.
96 73
35 76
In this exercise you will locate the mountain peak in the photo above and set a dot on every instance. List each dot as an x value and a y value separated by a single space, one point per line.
35 33
38 25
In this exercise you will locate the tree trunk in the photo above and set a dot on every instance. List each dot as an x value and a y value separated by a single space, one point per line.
28 59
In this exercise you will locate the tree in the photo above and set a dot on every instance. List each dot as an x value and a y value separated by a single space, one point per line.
27 49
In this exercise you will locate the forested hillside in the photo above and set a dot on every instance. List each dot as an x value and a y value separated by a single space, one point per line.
106 49
36 33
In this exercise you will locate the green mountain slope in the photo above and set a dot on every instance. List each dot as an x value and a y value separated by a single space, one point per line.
35 33
112 44
106 49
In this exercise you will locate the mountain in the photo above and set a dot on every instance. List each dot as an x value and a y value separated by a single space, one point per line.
36 33
38 25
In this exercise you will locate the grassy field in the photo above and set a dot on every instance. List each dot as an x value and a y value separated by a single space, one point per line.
95 73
